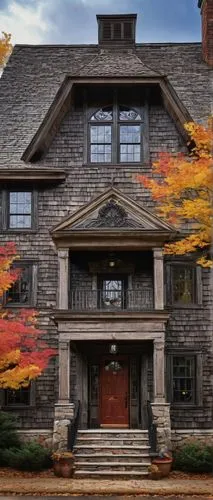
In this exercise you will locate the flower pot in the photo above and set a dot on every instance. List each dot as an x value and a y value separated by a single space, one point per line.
164 465
64 467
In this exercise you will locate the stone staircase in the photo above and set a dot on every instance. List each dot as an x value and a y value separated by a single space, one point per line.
113 452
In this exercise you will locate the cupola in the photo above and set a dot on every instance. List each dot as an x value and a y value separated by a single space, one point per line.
116 29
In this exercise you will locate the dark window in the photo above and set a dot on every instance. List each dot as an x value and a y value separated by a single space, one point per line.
23 291
184 379
19 397
118 141
20 210
184 284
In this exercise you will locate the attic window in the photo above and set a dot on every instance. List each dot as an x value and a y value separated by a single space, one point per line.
116 29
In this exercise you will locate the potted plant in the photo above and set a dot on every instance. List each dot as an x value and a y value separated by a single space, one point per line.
154 472
63 463
163 462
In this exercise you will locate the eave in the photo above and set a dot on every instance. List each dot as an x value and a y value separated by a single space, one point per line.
47 130
32 175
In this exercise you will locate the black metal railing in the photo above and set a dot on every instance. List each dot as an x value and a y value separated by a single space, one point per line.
152 429
111 300
73 427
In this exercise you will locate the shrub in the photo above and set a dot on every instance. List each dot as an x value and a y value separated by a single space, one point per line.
194 457
29 457
8 434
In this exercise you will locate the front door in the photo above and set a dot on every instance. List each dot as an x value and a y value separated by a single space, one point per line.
114 392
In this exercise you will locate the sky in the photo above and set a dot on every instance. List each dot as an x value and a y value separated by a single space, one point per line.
74 21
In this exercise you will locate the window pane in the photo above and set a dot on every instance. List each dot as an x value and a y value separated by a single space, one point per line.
126 113
20 209
17 397
20 292
183 284
103 114
184 379
100 153
129 153
100 134
130 134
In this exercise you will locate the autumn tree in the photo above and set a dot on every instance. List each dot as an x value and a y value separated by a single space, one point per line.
182 187
5 48
23 353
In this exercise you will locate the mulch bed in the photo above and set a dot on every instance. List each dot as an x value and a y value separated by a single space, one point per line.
7 472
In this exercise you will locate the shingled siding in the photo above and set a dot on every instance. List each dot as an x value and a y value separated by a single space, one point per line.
83 183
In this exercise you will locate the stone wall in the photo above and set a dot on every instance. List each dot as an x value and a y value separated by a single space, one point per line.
161 417
183 436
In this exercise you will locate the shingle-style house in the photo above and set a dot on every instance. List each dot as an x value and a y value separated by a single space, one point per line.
132 328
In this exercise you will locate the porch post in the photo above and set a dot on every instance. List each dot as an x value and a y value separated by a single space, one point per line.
63 278
158 278
159 371
64 410
161 409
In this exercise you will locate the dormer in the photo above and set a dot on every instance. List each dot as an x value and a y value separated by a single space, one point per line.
116 29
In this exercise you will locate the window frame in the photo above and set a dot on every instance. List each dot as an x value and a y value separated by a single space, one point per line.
6 210
33 285
198 390
19 406
197 285
116 123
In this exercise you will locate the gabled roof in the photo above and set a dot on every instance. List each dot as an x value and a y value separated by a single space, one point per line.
114 213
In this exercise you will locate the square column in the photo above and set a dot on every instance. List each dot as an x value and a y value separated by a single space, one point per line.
158 278
63 278
159 371
160 409
64 371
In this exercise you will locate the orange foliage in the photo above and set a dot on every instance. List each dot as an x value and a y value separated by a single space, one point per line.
23 354
183 187
5 48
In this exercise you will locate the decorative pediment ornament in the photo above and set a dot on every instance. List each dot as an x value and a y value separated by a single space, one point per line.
111 215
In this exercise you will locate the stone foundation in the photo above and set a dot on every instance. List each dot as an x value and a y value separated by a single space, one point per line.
181 437
64 414
161 417
41 436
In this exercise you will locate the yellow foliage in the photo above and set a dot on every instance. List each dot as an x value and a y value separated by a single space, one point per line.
5 47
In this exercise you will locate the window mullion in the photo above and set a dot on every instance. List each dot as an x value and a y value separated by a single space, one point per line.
115 131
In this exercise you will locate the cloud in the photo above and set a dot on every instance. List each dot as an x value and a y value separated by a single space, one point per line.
25 21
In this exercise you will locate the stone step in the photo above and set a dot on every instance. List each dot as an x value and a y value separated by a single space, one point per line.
107 457
113 433
111 441
115 473
88 449
118 466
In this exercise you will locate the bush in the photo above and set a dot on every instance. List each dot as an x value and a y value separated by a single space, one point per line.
29 457
8 434
194 457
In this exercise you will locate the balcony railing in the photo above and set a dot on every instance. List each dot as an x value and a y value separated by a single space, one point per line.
111 300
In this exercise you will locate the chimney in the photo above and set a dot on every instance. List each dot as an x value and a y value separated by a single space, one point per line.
116 29
206 7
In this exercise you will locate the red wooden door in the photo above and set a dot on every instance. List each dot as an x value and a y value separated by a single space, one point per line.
114 392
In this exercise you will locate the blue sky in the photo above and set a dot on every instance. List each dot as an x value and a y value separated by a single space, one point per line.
74 21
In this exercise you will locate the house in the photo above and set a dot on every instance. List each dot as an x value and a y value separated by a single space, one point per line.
132 328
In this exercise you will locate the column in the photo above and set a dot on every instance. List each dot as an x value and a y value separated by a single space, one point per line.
158 278
63 279
159 371
64 410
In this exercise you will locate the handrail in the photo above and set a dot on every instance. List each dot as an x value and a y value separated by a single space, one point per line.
73 427
152 429
81 299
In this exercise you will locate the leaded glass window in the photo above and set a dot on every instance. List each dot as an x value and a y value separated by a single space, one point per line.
20 210
21 291
119 141
184 378
112 293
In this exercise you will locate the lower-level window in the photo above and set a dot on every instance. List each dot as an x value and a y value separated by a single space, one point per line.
185 378
19 397
184 370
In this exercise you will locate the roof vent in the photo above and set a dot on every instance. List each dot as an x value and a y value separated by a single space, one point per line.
116 29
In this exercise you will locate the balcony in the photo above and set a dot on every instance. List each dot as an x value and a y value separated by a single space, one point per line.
81 300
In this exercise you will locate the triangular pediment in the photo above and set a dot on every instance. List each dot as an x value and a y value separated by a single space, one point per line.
112 211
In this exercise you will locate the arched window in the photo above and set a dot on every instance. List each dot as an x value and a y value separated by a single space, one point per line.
115 135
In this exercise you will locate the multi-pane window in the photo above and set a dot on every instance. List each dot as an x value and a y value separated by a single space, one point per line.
19 397
20 292
115 135
112 292
184 284
184 379
20 210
